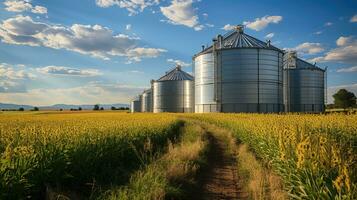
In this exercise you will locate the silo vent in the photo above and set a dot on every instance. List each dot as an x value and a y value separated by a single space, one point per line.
240 28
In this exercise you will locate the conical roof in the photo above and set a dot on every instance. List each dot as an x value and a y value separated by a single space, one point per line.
176 74
302 64
238 39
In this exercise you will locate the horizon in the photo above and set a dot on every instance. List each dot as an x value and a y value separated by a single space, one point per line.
48 55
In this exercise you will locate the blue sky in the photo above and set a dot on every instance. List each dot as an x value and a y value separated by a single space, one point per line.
107 51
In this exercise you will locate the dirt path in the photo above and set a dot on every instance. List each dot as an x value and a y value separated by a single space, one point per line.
219 179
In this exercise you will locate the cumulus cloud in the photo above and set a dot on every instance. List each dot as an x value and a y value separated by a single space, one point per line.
261 23
68 71
178 62
228 27
342 41
348 69
93 40
309 48
132 6
90 93
345 52
12 79
270 35
23 5
181 12
353 19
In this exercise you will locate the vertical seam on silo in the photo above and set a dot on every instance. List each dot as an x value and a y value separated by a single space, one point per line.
258 82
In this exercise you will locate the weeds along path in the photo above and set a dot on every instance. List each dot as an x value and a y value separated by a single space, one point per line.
219 179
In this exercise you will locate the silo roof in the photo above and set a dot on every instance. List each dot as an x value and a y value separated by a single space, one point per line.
302 64
238 39
176 74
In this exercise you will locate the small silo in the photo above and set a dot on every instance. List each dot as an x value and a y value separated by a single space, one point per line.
238 73
146 101
304 85
135 104
173 92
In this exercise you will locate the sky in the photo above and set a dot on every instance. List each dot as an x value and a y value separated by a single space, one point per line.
107 51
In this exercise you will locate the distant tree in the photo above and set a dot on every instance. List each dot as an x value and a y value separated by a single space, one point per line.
61 109
35 109
96 107
113 108
101 108
21 109
79 108
344 99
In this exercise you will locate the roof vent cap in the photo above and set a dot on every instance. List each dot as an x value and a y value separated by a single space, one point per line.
240 28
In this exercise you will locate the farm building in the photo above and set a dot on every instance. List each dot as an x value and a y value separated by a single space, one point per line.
173 92
146 101
304 85
240 73
135 104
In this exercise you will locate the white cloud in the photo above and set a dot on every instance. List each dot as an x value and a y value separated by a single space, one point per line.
353 19
228 27
205 15
137 53
132 6
128 27
136 72
90 93
310 48
181 12
342 41
345 52
328 24
348 69
270 35
261 23
96 41
178 62
39 10
209 25
68 71
23 5
13 79
318 33
333 89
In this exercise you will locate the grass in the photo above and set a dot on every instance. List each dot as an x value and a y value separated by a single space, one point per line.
167 176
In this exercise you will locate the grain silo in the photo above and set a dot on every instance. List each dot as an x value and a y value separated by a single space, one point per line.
238 73
304 85
135 104
146 101
173 92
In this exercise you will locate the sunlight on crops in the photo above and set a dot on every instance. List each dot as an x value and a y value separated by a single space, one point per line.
315 154
42 150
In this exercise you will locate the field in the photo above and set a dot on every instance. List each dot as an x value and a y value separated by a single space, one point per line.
116 155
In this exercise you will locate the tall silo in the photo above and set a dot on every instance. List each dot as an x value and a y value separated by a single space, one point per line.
135 104
173 92
304 85
146 101
238 73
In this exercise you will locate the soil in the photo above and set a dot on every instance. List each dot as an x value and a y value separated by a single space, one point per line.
219 179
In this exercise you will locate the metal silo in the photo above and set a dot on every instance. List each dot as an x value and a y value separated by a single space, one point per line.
135 104
238 73
174 92
304 85
146 101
